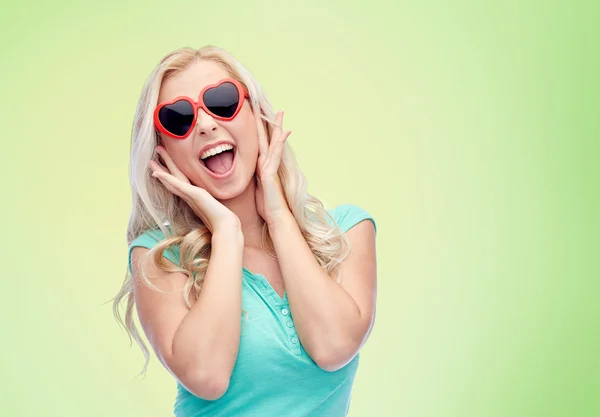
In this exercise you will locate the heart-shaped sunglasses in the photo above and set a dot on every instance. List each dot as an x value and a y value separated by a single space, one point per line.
222 101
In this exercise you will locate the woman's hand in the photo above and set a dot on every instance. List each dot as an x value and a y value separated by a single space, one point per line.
214 215
270 198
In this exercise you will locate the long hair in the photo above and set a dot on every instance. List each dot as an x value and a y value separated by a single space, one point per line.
153 206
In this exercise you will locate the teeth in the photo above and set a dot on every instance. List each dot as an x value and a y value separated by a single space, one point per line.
216 150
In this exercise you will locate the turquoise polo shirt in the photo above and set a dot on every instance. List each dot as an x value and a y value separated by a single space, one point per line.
273 375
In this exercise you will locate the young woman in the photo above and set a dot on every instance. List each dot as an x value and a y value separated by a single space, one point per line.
252 295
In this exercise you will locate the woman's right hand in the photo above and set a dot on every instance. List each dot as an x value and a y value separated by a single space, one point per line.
213 214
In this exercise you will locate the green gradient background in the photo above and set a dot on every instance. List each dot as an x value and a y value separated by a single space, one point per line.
469 130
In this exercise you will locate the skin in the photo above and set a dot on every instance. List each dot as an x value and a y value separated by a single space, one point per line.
199 346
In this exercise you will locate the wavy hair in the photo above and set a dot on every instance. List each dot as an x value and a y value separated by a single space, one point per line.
154 207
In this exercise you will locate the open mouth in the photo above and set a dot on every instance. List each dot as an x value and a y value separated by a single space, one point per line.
219 160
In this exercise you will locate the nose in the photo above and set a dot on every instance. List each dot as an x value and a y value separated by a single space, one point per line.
205 124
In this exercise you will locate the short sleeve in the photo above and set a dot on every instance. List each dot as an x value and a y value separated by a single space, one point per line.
348 215
149 239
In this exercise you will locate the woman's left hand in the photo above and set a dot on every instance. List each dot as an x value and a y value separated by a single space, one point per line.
270 198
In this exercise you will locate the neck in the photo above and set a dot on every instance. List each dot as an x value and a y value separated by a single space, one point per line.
244 206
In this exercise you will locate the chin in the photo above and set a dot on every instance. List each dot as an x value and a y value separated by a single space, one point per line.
229 191
234 186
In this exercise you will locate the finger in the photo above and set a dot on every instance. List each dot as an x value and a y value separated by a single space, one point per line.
171 164
276 133
276 152
263 144
161 176
155 166
259 163
181 188
278 126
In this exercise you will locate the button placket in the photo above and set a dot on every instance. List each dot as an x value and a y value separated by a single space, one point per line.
279 307
290 329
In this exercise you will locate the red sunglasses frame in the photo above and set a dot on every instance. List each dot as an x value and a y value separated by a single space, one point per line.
243 94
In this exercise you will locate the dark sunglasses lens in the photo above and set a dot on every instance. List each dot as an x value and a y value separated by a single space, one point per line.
223 100
177 118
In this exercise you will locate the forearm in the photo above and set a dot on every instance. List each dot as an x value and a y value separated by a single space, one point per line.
209 335
329 322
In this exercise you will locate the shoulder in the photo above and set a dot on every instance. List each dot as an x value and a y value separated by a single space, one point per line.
150 238
349 215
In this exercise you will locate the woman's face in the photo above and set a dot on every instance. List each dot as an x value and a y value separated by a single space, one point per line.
225 175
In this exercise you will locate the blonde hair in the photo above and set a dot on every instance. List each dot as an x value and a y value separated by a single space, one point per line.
153 206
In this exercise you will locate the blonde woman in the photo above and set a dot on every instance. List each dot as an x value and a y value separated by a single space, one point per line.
252 295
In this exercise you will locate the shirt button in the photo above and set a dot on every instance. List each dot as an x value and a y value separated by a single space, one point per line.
290 324
284 312
294 340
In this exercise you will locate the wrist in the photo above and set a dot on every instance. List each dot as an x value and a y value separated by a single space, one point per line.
230 235
281 220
